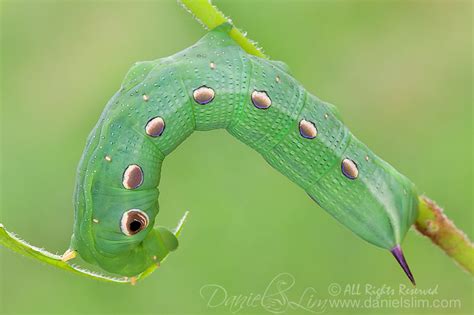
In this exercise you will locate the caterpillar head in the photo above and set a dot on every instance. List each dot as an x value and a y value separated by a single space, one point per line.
124 242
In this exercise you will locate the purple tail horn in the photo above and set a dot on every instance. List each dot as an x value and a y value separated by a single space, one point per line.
398 254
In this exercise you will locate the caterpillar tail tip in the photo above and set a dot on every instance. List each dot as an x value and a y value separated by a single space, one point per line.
398 254
68 255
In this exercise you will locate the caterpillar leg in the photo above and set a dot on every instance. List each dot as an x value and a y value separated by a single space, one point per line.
398 254
68 255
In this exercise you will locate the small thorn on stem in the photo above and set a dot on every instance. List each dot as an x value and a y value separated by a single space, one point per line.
133 280
398 254
68 255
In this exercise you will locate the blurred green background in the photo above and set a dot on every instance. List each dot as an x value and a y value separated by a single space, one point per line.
399 71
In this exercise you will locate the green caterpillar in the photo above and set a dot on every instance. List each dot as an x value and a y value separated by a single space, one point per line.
215 84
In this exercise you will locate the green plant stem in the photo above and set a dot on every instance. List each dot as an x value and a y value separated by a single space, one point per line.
431 221
210 17
13 242
434 224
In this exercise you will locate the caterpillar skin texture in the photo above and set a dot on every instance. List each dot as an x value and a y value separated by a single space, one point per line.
215 84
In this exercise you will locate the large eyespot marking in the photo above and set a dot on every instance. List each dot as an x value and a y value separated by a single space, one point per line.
203 95
155 127
349 169
308 129
132 177
261 100
133 221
